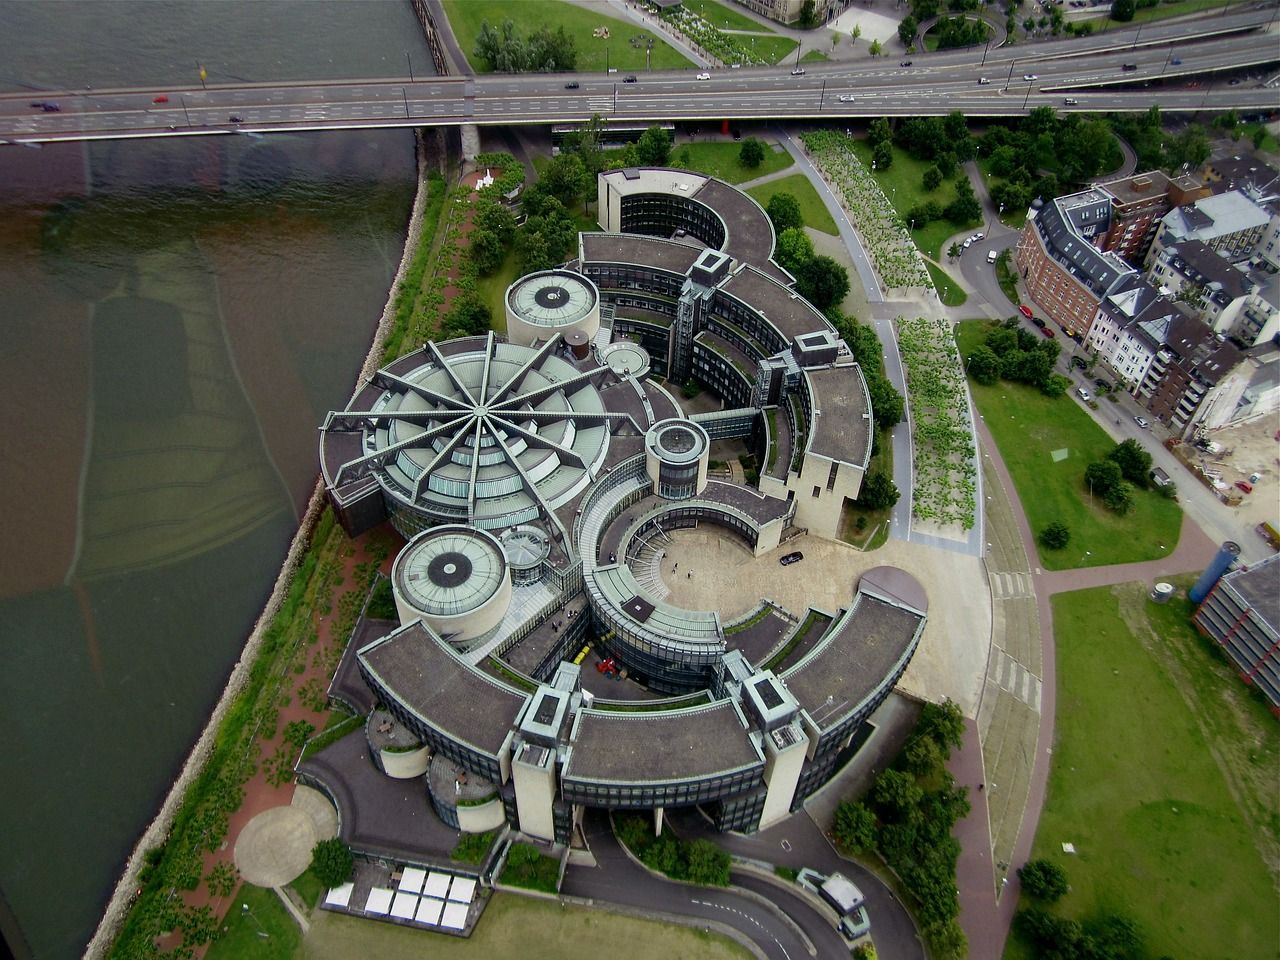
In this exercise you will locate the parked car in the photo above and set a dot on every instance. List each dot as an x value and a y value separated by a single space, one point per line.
1038 322
791 558
1142 422
571 85
704 76
968 243
629 78
1078 362
1083 394
978 236
1046 331
1024 310
1244 485
1101 384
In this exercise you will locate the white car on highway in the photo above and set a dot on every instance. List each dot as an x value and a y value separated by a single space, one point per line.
846 98
704 76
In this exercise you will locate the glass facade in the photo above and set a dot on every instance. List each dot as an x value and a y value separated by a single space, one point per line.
647 795
661 215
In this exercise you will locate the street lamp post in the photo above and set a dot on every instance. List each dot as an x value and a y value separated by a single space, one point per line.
405 97
1028 96
985 51
1009 79
184 109
823 93
409 59
245 911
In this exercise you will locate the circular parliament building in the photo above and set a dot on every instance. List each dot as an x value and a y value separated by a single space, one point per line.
537 667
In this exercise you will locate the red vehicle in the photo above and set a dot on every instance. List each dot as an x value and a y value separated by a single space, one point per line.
1047 332
1025 311
1245 485
160 99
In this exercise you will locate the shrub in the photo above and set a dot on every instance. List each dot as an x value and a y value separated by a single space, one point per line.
878 492
854 826
298 732
472 847
1133 460
331 862
1055 536
752 153
784 210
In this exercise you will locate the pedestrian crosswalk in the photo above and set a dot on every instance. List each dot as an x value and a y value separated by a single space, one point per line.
1011 586
1013 677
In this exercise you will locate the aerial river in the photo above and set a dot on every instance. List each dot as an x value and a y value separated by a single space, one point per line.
176 317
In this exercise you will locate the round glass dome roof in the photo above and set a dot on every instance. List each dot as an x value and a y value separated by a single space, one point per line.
552 298
451 570
677 441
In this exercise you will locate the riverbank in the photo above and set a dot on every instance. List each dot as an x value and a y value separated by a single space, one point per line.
157 833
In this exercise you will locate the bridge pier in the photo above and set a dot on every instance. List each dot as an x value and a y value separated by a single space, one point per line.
470 141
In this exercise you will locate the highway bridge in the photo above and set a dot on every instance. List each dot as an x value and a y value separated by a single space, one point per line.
1119 70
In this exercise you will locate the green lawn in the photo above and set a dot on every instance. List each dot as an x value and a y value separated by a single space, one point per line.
773 49
1028 427
812 208
724 17
466 16
901 184
949 291
242 936
1161 12
813 56
1159 755
493 290
515 926
720 159
308 887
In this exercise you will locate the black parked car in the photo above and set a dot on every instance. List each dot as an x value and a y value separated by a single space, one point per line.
791 558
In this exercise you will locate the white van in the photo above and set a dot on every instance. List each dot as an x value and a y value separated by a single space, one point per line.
992 256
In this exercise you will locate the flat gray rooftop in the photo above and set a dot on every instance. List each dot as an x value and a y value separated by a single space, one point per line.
853 660
789 312
436 685
670 255
750 232
843 430
1259 587
660 746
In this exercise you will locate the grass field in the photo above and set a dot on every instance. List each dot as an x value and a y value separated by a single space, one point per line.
466 16
720 159
774 49
515 926
1028 427
1164 767
724 17
949 291
813 56
901 184
244 929
812 208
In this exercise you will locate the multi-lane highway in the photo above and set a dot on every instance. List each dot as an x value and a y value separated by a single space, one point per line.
1115 71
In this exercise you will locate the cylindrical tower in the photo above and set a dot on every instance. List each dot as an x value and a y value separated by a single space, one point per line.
1219 565
455 579
675 455
526 548
543 304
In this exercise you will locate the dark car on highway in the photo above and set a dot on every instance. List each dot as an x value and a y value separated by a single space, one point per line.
571 85
629 78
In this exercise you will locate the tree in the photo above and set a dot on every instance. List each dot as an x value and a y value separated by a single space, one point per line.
1103 475
886 402
896 794
875 48
496 218
879 131
486 251
822 282
784 210
808 14
653 149
954 251
1043 879
1055 385
931 178
882 156
923 756
752 153
331 862
566 178
856 32
794 248
1055 536
878 493
298 732
469 317
943 722
1119 498
854 826
1133 460
1122 11
907 30
965 208
983 365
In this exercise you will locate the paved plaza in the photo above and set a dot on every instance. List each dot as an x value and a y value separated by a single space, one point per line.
708 568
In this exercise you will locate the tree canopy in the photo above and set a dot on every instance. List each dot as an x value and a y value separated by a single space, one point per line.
784 210
822 282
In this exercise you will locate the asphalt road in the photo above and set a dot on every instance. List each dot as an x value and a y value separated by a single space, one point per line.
871 87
